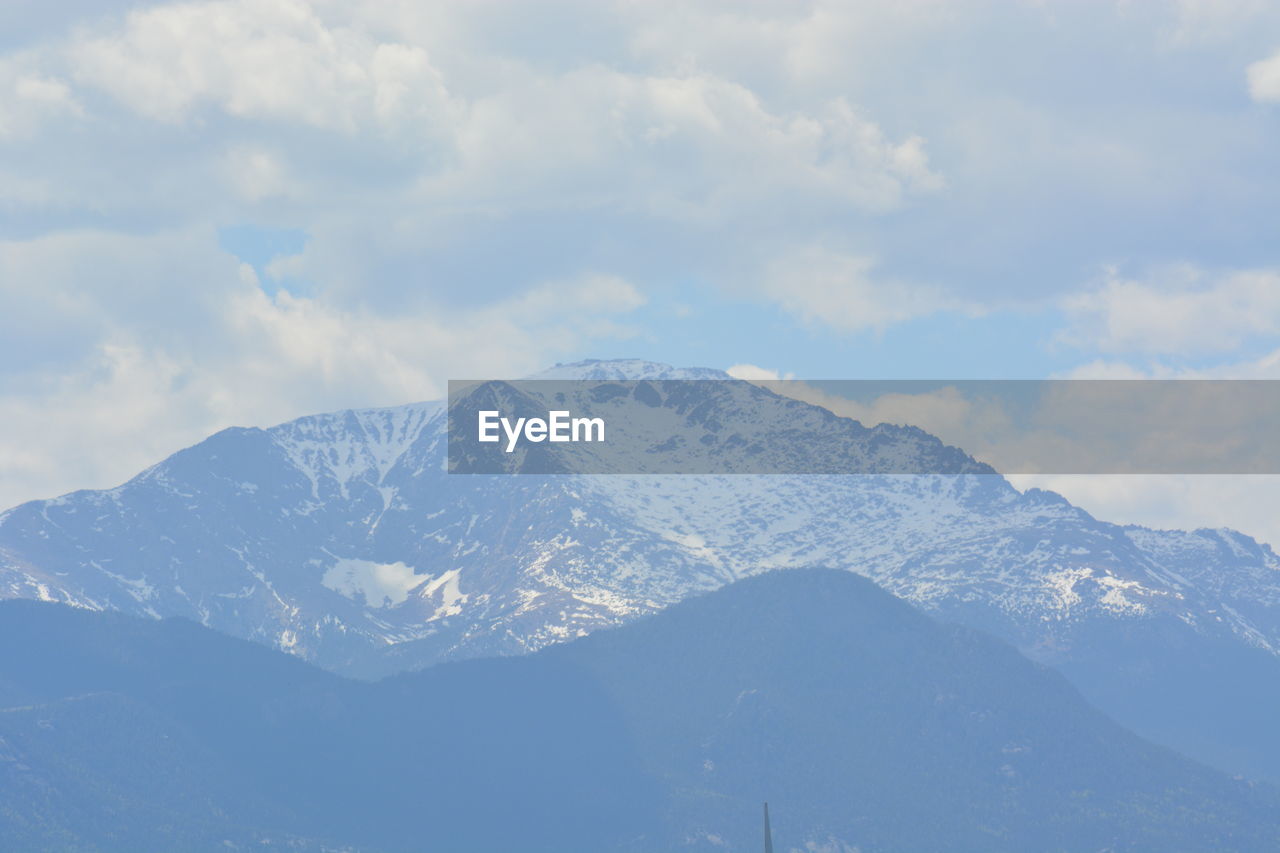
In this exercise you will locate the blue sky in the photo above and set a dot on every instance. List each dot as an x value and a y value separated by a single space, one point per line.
232 212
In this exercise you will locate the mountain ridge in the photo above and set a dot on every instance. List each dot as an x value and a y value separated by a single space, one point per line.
867 725
340 538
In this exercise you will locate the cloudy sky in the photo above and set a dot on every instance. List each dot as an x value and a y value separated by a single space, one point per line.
241 211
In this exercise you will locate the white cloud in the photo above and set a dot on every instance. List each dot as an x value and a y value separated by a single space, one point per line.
256 174
687 148
468 132
1171 501
1181 311
45 90
260 59
391 146
454 160
1208 21
839 290
1101 368
393 134
754 373
29 98
1265 366
1264 79
808 43
175 340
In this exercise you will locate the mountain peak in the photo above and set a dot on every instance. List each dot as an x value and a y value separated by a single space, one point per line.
626 369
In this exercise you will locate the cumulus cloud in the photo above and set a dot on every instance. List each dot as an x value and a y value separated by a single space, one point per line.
423 178
755 373
28 98
274 60
1266 366
1179 311
1171 501
1264 79
396 135
685 147
385 87
173 340
535 172
841 291
1211 21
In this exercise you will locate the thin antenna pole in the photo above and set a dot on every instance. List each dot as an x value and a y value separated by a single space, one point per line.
768 833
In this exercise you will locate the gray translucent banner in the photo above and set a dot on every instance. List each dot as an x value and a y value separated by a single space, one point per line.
687 426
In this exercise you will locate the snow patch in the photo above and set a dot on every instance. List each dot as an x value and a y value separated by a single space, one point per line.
451 597
378 584
1115 599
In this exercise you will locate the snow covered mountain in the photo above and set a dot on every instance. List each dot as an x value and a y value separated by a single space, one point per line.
341 538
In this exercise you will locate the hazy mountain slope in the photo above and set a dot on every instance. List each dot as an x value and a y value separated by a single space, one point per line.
1209 696
868 725
152 735
863 722
106 772
340 538
140 735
